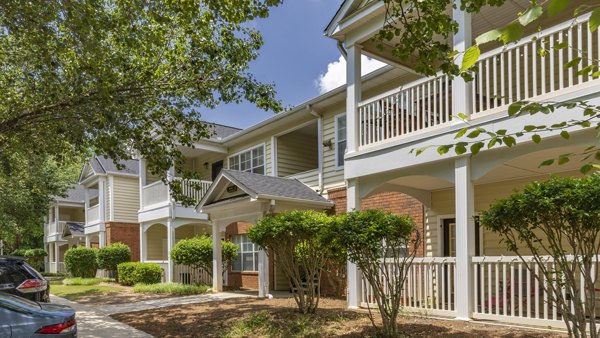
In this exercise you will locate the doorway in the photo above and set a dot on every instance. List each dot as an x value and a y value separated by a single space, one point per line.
449 233
216 169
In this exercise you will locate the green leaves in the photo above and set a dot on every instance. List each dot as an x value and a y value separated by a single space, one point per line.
557 6
470 58
488 36
532 14
595 20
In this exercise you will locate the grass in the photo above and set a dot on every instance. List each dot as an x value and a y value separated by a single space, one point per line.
171 288
76 292
86 281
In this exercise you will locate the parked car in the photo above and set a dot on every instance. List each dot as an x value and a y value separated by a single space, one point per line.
19 278
20 317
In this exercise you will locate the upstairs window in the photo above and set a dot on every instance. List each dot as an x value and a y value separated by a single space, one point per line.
340 140
252 161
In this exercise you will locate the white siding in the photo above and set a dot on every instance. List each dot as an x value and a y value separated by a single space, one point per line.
126 198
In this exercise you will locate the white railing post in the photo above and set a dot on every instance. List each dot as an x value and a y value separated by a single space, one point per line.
465 237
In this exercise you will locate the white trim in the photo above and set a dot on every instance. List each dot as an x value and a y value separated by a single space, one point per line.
335 139
249 149
440 232
274 171
111 201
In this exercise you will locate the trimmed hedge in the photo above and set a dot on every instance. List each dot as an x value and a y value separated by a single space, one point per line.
110 256
81 262
137 272
35 257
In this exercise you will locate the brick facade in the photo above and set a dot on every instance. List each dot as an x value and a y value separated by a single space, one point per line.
394 202
127 233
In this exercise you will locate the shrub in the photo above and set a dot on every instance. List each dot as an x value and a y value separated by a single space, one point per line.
171 288
197 252
137 272
112 255
35 257
371 236
295 240
81 262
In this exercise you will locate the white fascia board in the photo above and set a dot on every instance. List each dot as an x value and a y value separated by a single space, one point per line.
364 15
91 179
64 203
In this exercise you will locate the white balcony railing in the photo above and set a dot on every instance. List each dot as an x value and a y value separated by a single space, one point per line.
158 192
93 214
309 178
504 75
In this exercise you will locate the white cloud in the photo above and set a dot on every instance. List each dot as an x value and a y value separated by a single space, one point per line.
335 75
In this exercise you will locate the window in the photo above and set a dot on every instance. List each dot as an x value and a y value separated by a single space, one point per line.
252 161
247 259
340 140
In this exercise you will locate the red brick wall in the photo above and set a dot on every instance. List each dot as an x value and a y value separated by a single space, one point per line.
395 202
127 233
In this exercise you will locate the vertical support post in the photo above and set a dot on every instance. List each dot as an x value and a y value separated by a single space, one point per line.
88 241
56 218
353 97
354 274
86 193
465 237
102 238
274 165
170 244
320 151
56 254
142 170
102 200
462 91
142 243
263 274
217 274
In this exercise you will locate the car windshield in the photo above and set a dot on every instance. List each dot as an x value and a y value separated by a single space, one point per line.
18 301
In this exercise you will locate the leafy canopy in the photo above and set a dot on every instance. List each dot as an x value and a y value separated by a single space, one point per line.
123 76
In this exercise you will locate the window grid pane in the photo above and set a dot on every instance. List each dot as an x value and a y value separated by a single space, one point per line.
247 259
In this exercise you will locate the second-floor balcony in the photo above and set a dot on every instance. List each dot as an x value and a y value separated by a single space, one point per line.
57 228
93 214
158 193
539 67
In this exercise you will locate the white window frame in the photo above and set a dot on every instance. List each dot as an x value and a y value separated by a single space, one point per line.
264 147
241 252
335 130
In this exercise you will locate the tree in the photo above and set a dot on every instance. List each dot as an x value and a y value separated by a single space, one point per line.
197 252
559 218
294 241
383 246
81 262
112 255
121 77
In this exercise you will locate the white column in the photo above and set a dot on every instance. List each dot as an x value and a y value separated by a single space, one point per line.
142 243
142 169
462 91
170 244
353 97
320 151
56 218
465 237
101 239
102 200
217 274
56 254
88 241
354 274
263 274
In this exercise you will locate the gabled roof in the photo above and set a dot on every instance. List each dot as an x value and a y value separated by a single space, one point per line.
258 186
74 229
76 193
102 165
220 131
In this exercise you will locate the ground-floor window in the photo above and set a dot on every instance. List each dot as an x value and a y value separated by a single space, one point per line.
247 259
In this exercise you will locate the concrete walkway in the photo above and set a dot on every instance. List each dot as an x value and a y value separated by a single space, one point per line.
94 321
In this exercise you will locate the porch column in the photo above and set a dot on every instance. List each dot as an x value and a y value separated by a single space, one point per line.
88 241
142 170
354 274
465 237
142 243
101 239
170 244
462 91
263 274
56 254
353 97
217 274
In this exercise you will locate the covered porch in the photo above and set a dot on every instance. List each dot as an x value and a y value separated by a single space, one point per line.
467 272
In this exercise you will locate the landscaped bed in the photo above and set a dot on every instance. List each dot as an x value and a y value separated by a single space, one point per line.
278 318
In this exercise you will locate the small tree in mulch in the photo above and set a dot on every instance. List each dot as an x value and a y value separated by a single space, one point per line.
383 246
112 255
295 241
197 252
559 218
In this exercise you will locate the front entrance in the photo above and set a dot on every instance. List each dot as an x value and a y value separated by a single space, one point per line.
449 244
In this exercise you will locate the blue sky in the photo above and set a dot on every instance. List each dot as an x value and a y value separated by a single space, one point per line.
294 54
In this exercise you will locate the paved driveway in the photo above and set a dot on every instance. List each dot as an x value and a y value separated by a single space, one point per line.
94 321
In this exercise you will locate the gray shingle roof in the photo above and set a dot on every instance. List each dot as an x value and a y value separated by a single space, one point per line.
75 193
105 165
275 186
73 229
221 131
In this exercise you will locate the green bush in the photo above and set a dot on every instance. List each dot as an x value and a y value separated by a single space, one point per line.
112 255
171 288
137 272
35 257
197 252
81 262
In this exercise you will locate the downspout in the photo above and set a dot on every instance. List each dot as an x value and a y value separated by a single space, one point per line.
340 47
319 146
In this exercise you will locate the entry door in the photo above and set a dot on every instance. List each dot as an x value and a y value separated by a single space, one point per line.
216 169
449 246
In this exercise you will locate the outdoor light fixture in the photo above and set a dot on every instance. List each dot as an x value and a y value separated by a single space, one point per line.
328 144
